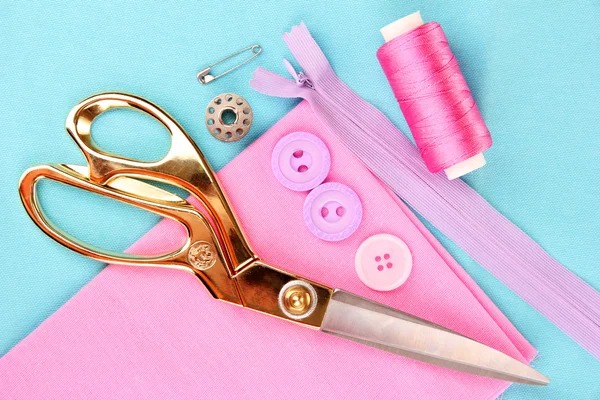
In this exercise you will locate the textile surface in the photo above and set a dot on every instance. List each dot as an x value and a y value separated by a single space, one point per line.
149 333
532 68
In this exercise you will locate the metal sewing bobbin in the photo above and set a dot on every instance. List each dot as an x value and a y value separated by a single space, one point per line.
228 117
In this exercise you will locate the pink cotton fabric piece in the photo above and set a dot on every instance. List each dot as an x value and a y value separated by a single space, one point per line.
142 333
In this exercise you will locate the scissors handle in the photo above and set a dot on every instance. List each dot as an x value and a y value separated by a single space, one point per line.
184 165
201 254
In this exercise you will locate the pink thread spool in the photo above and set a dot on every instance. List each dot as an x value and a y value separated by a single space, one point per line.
435 100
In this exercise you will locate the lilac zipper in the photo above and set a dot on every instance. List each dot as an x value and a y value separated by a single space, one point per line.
453 207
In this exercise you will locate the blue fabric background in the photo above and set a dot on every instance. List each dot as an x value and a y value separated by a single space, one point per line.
532 67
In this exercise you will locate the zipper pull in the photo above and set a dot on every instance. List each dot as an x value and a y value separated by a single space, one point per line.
300 78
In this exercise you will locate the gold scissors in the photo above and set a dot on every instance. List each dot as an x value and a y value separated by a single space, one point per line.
217 252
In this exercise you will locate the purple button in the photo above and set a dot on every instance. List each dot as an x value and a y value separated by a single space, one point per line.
300 161
383 262
332 211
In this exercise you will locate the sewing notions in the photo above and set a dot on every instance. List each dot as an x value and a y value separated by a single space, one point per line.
204 76
216 117
434 97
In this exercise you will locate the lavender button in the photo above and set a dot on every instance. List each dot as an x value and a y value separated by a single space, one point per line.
332 211
300 161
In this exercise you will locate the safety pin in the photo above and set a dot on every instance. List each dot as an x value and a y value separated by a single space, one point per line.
204 75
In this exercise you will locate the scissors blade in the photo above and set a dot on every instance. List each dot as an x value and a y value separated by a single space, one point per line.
361 320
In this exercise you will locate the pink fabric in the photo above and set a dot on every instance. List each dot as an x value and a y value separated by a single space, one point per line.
157 334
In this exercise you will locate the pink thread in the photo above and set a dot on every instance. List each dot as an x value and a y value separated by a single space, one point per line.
434 97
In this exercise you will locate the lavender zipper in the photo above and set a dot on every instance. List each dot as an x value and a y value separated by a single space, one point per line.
451 206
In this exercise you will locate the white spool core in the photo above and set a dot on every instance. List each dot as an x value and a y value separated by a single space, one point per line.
400 27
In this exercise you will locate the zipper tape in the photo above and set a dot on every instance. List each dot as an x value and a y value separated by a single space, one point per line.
453 207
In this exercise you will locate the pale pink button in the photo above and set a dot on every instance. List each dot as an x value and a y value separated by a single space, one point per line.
383 262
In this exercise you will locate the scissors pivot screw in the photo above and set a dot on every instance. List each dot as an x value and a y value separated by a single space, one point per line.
297 299
201 255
